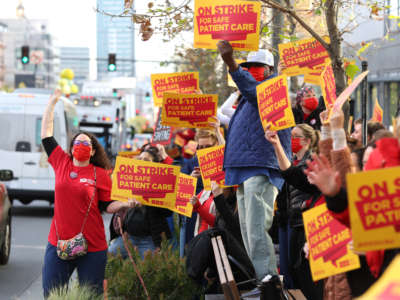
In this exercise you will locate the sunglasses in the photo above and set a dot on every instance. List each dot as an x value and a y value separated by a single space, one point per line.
85 143
203 146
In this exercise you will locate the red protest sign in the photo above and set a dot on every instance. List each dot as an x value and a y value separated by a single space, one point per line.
211 161
327 239
162 134
151 183
181 83
328 86
186 189
192 111
274 104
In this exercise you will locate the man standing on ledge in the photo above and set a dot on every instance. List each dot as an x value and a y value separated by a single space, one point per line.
250 161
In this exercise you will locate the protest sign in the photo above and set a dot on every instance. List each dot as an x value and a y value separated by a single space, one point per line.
162 134
274 104
328 86
300 57
191 147
343 97
211 161
182 83
150 183
374 206
388 285
192 111
328 240
377 113
237 22
186 189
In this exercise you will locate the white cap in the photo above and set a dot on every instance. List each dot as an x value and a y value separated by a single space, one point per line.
261 56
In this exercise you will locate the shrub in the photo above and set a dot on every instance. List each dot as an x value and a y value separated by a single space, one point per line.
163 273
74 292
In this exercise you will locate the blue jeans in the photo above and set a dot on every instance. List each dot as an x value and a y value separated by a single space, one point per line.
255 198
143 244
57 272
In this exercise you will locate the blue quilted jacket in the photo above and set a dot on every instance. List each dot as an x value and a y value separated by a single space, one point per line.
246 145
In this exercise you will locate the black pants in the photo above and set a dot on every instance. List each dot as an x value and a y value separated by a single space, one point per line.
300 267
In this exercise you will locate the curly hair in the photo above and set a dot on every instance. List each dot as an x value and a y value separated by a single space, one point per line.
100 158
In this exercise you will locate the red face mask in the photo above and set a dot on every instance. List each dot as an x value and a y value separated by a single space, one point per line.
311 103
81 152
257 73
296 145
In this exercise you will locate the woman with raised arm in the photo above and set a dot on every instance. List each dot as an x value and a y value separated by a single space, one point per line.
82 190
296 196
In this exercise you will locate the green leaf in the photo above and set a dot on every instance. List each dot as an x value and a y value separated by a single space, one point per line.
351 71
317 12
265 29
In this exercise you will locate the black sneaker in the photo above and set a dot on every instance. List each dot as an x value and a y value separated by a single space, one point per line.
272 289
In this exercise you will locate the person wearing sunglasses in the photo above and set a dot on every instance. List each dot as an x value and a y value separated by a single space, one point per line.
82 192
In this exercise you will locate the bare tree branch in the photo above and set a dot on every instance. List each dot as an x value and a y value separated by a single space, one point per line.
295 16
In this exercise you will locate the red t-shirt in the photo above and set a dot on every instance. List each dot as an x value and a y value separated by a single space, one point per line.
72 198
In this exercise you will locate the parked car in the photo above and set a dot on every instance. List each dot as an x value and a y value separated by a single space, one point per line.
5 217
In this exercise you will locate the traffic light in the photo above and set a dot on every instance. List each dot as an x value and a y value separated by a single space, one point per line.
112 62
25 54
147 97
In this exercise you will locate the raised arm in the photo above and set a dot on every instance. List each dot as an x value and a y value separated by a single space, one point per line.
48 115
273 137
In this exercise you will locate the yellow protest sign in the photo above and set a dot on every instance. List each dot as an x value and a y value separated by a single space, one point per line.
274 104
237 22
150 183
388 285
211 161
191 111
182 83
374 206
377 113
302 56
186 189
328 240
328 86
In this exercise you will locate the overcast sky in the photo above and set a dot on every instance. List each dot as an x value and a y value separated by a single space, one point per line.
73 23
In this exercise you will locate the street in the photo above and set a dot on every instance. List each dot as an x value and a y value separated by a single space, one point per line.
21 278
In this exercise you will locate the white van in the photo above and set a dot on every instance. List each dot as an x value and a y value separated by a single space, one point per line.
21 148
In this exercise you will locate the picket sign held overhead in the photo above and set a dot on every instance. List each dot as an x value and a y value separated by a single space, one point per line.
152 184
181 83
303 57
235 21
374 206
328 86
328 240
162 134
189 110
274 104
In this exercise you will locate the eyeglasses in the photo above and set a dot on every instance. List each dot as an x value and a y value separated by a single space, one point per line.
85 143
297 137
